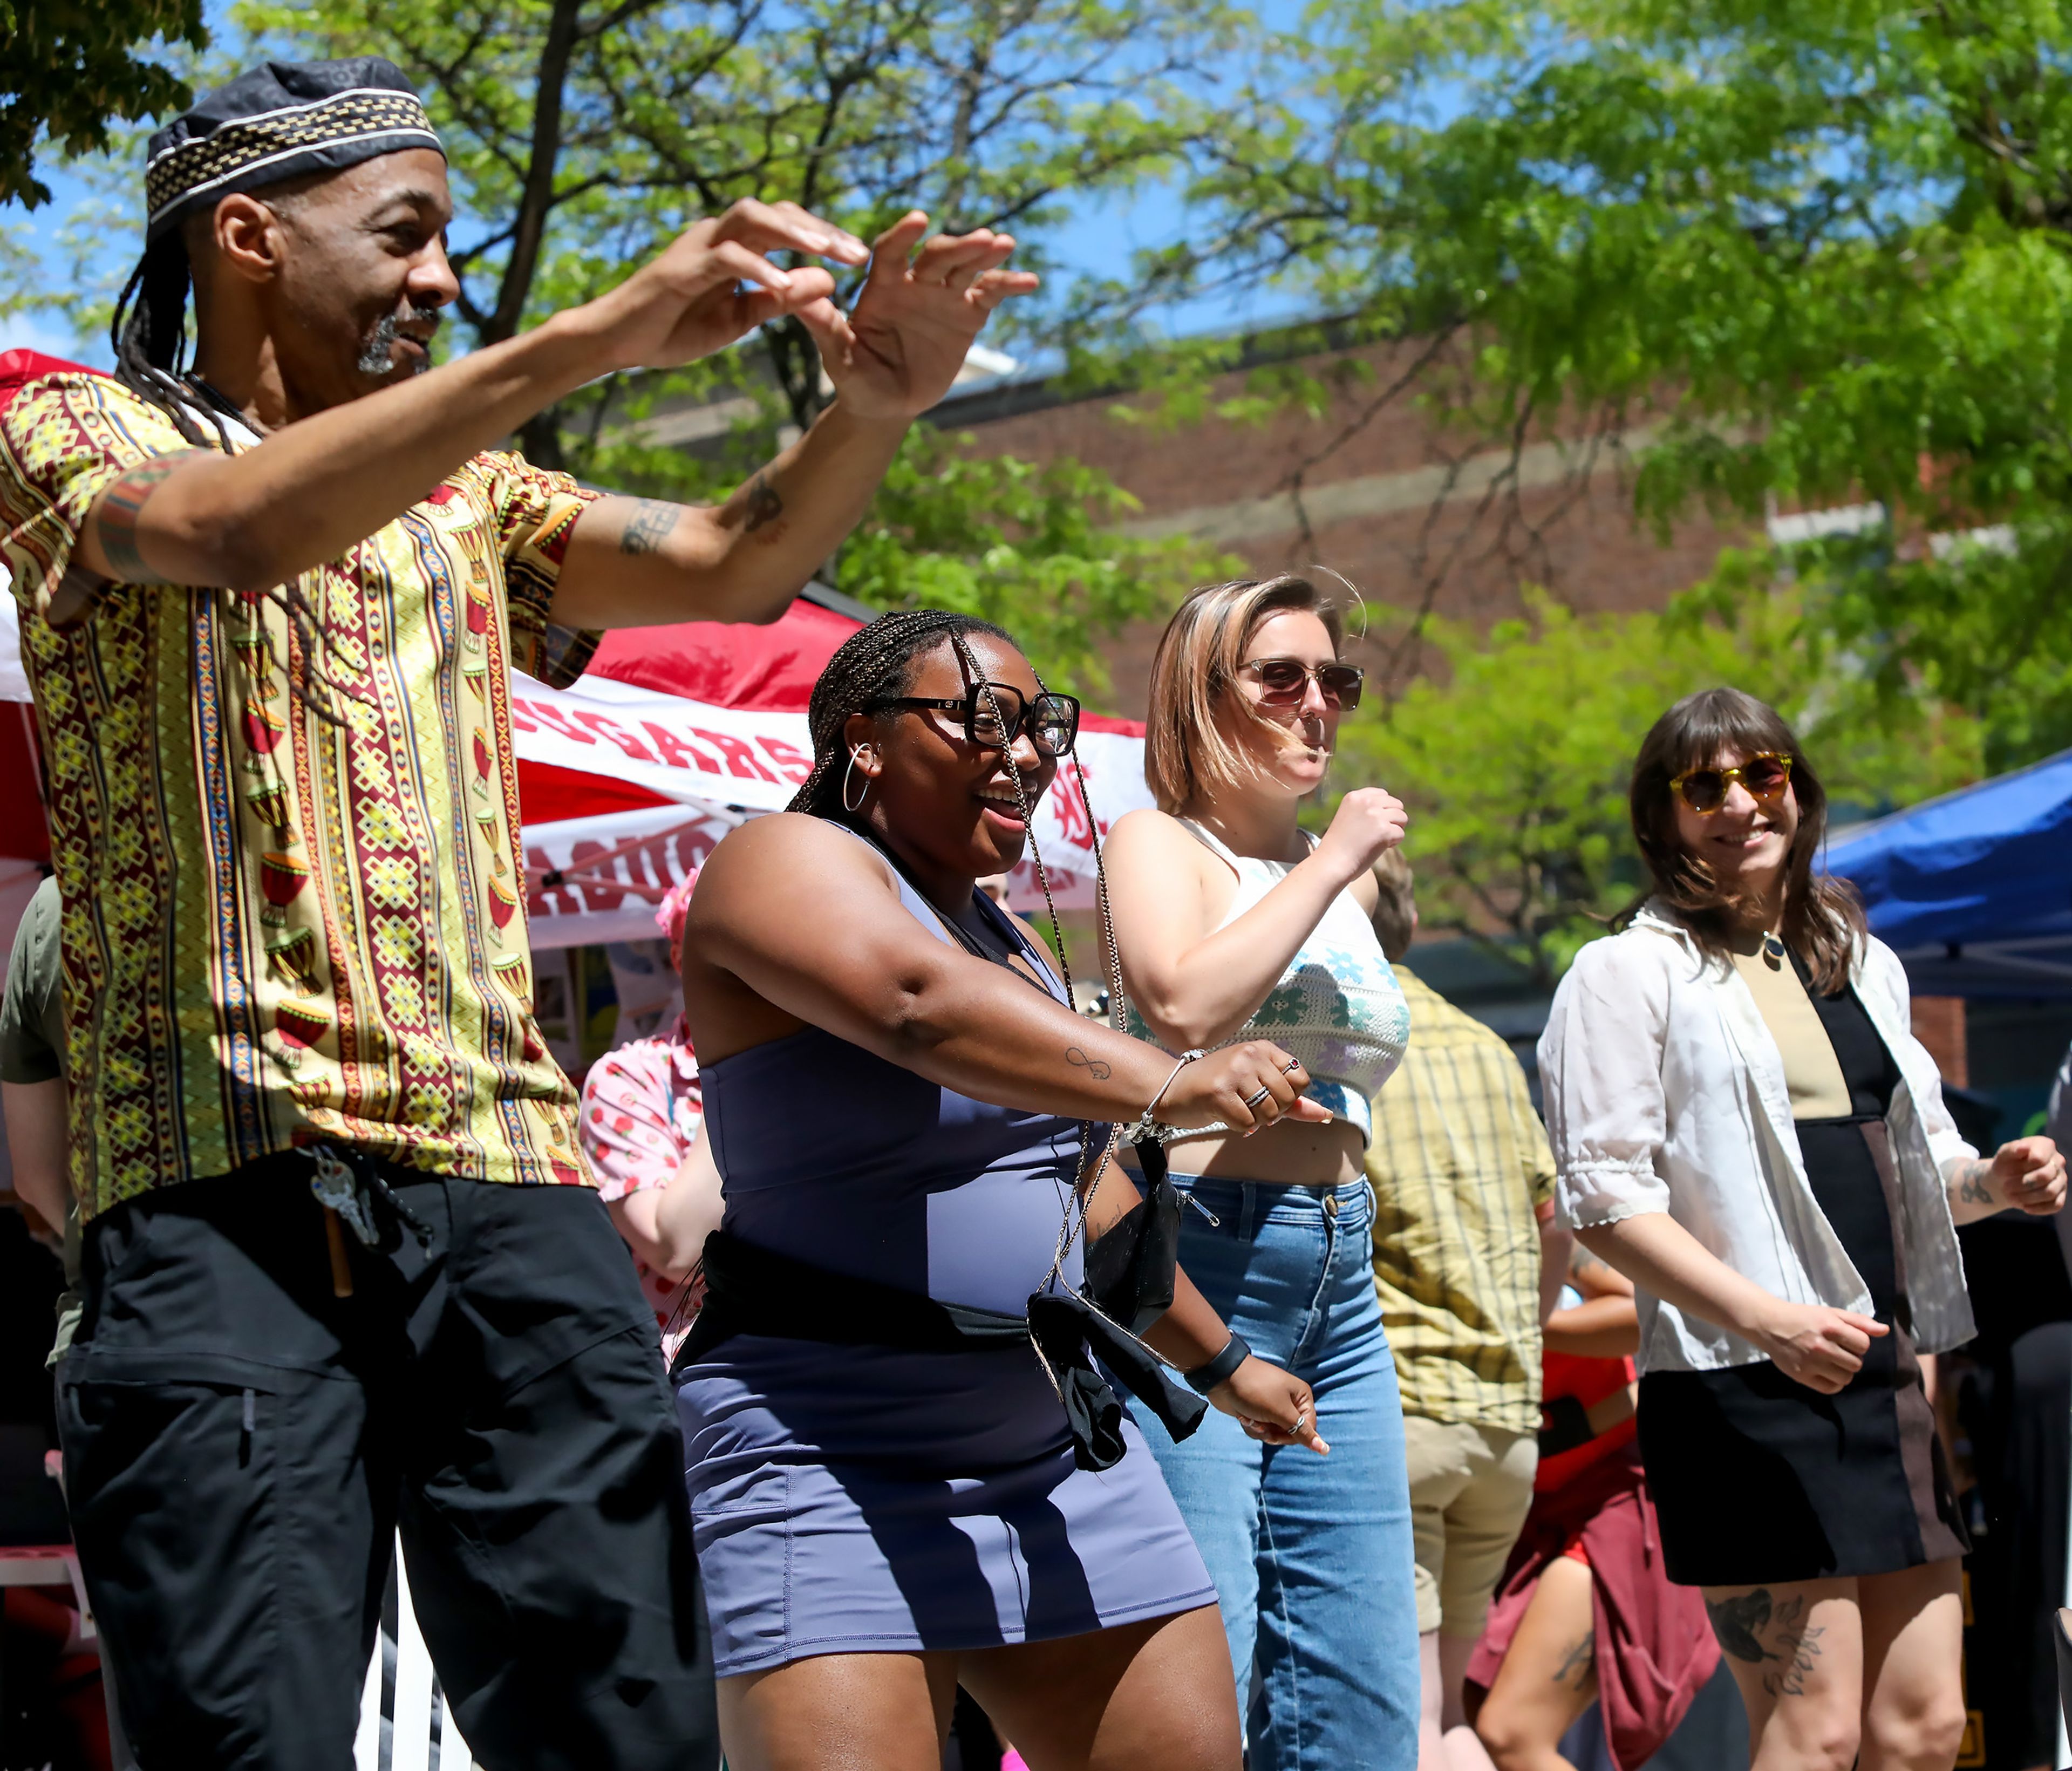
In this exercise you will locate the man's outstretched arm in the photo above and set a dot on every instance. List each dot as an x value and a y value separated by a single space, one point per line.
318 486
638 562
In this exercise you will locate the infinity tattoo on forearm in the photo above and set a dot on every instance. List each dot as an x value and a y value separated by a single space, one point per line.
1096 1067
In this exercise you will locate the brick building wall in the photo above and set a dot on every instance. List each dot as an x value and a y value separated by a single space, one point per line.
1399 510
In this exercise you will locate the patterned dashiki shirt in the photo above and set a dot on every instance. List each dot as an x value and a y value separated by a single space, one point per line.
277 930
642 1107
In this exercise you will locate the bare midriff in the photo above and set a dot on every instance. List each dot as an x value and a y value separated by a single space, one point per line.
1289 1154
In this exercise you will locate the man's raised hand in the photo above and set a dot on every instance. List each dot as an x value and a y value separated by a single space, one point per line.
896 352
688 303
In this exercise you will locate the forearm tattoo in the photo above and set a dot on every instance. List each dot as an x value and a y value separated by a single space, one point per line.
648 525
1762 1632
1096 1067
1975 1182
116 515
764 504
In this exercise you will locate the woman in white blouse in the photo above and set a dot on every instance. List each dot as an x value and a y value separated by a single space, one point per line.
1747 1128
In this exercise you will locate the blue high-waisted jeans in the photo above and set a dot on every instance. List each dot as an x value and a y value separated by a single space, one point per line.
1311 1555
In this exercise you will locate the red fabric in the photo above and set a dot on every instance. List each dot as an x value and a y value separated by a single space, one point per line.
548 793
737 664
24 832
1588 1381
728 663
18 368
1655 1649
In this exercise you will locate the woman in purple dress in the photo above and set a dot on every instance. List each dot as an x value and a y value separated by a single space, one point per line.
894 1492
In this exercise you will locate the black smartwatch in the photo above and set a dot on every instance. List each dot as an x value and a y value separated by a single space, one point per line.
1205 1377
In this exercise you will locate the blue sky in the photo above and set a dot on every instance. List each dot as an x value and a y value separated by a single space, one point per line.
1102 235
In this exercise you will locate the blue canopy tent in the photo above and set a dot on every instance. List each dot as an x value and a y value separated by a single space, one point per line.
1974 890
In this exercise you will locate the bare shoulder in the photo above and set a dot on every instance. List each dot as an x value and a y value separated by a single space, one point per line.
1150 838
785 839
768 865
1164 881
783 899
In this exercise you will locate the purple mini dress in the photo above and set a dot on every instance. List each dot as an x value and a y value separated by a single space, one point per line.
867 1499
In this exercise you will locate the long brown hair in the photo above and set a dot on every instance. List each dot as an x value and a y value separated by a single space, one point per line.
1824 920
1184 755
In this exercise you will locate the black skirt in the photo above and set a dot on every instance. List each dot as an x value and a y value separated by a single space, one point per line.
1758 1479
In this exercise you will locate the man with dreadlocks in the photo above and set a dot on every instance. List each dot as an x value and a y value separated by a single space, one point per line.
270 605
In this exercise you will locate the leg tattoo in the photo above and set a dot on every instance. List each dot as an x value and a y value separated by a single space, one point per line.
1740 1623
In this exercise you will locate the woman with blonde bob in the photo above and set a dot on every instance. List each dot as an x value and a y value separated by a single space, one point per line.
1747 1128
1231 923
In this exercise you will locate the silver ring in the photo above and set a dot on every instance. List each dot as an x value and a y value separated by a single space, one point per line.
1291 1066
1253 1100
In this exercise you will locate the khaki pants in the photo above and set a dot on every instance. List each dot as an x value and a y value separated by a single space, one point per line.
1469 1489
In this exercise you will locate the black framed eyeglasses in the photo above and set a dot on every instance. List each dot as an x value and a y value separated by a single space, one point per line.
995 715
1283 682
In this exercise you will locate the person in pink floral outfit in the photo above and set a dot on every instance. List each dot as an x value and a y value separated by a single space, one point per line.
641 1115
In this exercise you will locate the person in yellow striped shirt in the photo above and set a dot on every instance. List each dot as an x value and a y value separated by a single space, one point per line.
1467 1263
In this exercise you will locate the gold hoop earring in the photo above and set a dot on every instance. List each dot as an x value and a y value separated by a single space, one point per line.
846 773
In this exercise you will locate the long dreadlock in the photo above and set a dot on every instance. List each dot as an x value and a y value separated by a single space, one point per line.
148 335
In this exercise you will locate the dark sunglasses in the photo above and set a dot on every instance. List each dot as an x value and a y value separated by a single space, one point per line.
1766 776
1283 682
995 715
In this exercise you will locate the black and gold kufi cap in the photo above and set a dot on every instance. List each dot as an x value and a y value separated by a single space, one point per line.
280 121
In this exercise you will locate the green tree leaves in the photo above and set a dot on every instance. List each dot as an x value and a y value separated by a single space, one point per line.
1804 255
583 134
69 68
1514 759
1027 546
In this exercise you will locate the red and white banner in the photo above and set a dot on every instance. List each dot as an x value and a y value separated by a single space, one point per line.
625 788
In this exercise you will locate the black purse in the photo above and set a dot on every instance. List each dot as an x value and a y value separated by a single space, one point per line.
1130 1266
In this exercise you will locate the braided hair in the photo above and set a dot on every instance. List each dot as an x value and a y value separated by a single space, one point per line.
148 335
876 661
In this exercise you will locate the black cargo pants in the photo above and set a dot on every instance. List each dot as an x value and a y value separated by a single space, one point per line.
241 1446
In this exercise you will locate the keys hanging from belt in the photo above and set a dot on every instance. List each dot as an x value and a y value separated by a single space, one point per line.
347 1190
338 1191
